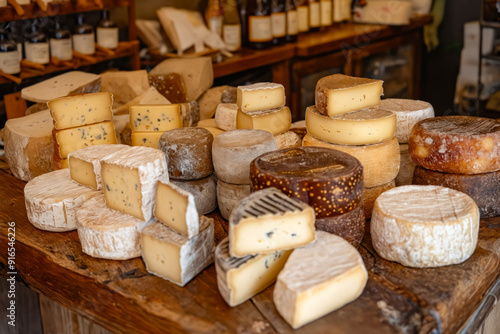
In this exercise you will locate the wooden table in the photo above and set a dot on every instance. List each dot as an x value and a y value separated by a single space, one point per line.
123 297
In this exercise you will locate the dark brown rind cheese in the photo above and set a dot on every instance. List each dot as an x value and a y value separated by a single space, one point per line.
350 225
484 189
328 180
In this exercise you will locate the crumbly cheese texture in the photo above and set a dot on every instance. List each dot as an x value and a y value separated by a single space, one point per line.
268 221
146 139
406 167
210 100
339 94
79 110
349 225
85 164
155 117
28 144
456 144
106 233
288 139
204 192
241 278
229 195
260 96
225 116
172 256
125 85
424 226
52 200
363 127
370 195
275 121
319 278
130 178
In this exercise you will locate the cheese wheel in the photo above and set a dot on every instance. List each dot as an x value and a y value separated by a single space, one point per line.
228 195
328 180
406 167
204 192
288 139
380 161
189 153
52 200
233 151
225 116
482 188
275 121
370 195
424 226
456 144
350 225
363 127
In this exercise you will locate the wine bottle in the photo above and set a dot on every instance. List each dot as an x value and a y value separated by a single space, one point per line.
84 37
60 41
303 16
259 24
231 28
278 21
314 15
107 32
292 24
326 12
36 46
9 58
214 15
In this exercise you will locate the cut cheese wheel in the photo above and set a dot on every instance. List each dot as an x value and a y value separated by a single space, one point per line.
367 126
288 139
275 121
482 188
260 96
155 117
456 144
125 85
408 113
424 226
106 233
229 195
225 116
204 192
370 195
350 225
314 274
241 278
330 181
232 152
189 153
147 139
52 200
28 144
209 101
406 167
380 161
229 95
190 113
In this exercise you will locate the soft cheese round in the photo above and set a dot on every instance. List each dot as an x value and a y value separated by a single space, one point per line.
349 225
424 226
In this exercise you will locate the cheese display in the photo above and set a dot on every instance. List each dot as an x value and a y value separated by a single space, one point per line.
85 164
268 221
130 178
319 278
232 152
28 144
482 188
147 139
175 208
189 153
380 161
79 110
330 181
288 139
456 144
339 94
204 192
260 96
172 256
241 278
406 167
229 195
275 121
52 200
155 117
424 226
370 195
210 100
349 225
225 116
363 127
125 85
106 233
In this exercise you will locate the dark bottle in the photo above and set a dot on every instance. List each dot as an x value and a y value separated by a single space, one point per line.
9 57
314 15
259 24
107 32
292 24
278 21
60 42
84 37
36 46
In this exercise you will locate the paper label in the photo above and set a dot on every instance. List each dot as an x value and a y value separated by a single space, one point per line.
216 24
107 37
84 43
61 48
37 52
278 24
232 36
314 16
292 23
9 62
303 18
259 29
326 13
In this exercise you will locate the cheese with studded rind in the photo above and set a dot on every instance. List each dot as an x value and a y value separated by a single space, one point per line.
275 121
229 195
424 226
155 117
241 278
370 195
268 221
225 116
204 192
349 225
319 278
260 96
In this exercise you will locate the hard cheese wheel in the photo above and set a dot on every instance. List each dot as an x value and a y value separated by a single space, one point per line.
350 225
330 181
204 192
456 144
424 226
228 195
370 195
406 167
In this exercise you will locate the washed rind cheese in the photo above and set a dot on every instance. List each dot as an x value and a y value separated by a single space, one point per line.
319 278
268 221
350 225
172 256
339 94
288 139
275 121
260 96
380 161
482 188
204 192
363 127
189 152
155 117
456 144
424 226
52 200
241 278
108 234
225 116
229 195
190 113
330 181
370 195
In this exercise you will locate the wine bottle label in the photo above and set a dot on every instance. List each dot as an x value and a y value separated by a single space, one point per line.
303 18
107 37
216 24
23 2
3 3
292 26
259 29
9 62
61 48
314 15
326 13
278 24
20 50
84 43
37 52
232 36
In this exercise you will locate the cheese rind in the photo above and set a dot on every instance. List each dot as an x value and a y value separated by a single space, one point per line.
288 139
229 195
370 195
350 225
225 116
210 101
424 226
146 139
204 192
406 168
260 96
125 85
313 274
275 121
155 117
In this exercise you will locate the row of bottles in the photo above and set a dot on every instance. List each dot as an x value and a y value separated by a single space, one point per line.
59 42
